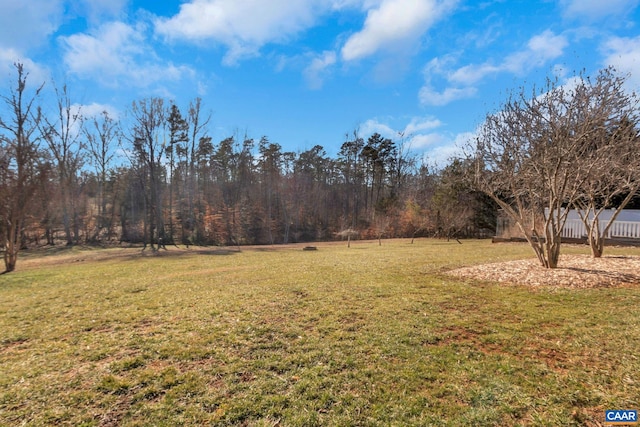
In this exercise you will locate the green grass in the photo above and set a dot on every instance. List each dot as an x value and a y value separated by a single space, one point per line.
362 336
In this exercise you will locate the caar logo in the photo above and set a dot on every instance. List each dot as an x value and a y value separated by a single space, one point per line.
621 417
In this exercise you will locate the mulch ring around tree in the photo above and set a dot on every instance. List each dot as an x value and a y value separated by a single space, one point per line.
574 271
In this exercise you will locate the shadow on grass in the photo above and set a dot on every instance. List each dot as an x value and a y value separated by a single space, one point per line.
611 275
129 252
190 251
47 251
40 256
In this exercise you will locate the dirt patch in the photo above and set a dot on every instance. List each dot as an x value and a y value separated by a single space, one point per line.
575 271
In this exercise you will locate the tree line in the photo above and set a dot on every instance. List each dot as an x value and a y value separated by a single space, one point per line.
160 179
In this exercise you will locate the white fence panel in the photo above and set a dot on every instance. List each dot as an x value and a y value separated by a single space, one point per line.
625 229
626 226
575 229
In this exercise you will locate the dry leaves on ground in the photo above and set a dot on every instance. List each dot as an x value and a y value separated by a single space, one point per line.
574 271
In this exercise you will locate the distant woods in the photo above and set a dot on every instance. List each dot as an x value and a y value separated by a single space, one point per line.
156 177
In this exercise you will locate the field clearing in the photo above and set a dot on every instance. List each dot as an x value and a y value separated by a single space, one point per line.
263 336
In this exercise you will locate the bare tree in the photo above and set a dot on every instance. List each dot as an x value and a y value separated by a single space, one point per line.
525 161
19 157
453 204
612 150
101 132
380 225
148 139
404 163
197 149
348 233
63 139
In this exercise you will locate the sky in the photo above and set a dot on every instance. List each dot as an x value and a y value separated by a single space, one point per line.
310 72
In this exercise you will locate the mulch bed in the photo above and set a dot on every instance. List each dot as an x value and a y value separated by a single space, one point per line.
574 271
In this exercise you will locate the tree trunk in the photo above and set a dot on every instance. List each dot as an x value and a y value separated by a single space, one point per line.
596 243
10 257
595 237
49 236
11 247
67 224
553 252
534 241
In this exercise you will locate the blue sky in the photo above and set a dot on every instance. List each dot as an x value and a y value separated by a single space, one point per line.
307 72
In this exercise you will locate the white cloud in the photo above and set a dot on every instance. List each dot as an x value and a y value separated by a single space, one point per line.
540 50
422 136
116 53
372 126
419 124
363 4
37 75
471 74
624 55
317 70
461 82
94 109
110 50
560 71
423 141
441 155
429 96
394 25
597 9
463 138
442 148
98 10
413 129
243 26
417 133
24 24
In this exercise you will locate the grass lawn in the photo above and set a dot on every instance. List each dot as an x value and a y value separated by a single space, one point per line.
362 336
